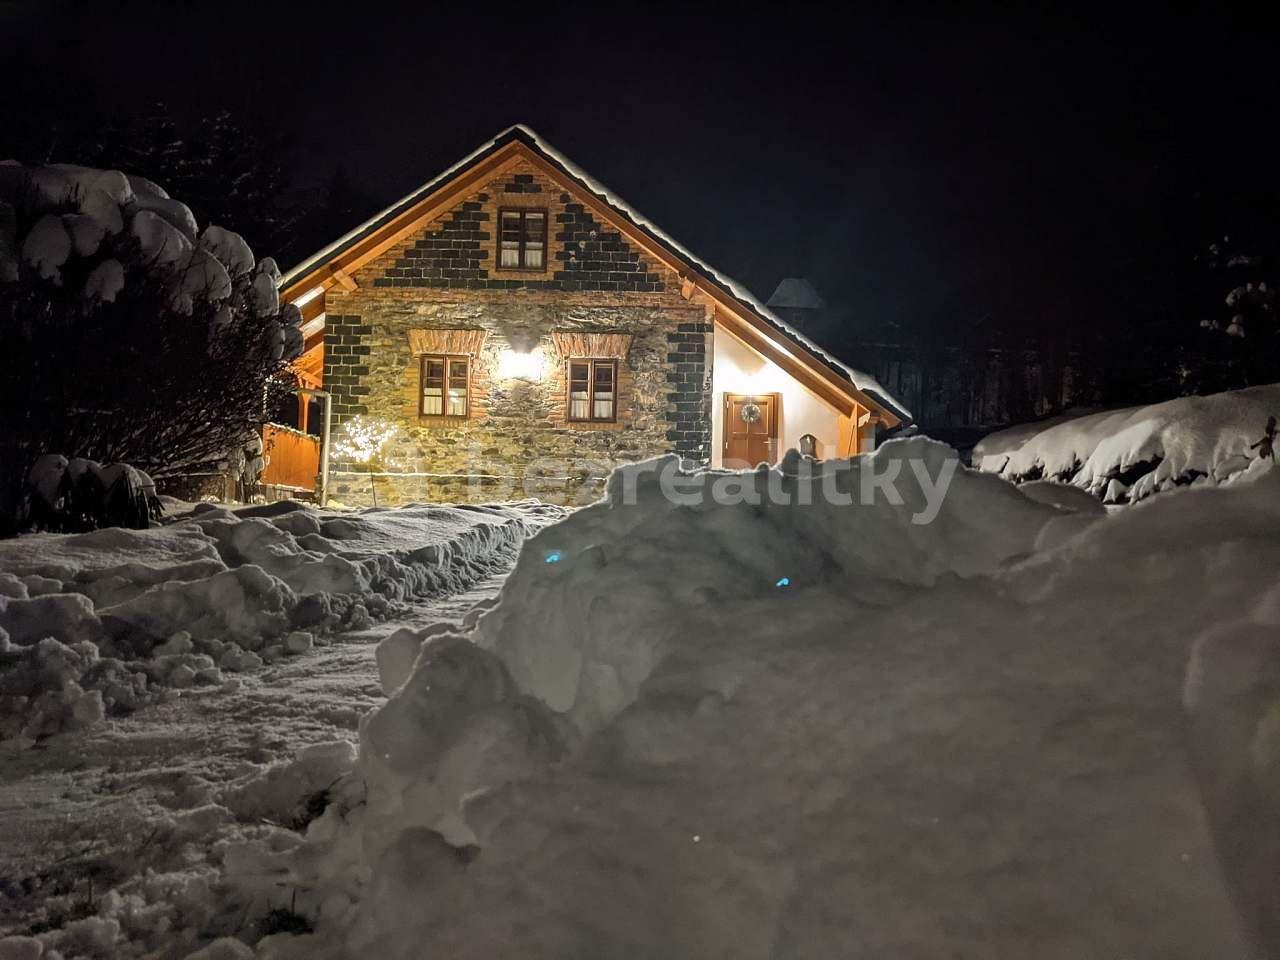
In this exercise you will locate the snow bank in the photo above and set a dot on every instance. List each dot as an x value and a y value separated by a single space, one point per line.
246 605
745 555
96 623
154 914
1127 455
280 792
814 731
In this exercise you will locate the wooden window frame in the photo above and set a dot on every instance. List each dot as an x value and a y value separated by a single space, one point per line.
592 363
448 359
520 254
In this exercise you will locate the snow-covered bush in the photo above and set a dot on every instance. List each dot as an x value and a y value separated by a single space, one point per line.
129 334
1122 456
244 463
81 494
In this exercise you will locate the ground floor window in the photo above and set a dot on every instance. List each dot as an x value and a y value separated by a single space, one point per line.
593 390
446 386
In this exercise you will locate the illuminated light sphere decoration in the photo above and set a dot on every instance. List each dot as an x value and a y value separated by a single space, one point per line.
361 440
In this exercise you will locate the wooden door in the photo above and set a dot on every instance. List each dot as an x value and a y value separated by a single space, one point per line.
750 429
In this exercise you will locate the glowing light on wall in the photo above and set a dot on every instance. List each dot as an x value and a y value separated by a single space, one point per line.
784 582
514 365
553 557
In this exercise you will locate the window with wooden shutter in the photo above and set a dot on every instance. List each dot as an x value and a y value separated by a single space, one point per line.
522 239
593 390
446 387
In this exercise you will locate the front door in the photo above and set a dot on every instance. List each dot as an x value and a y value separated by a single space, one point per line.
750 430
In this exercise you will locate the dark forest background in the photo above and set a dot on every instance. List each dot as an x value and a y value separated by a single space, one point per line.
961 370
1007 212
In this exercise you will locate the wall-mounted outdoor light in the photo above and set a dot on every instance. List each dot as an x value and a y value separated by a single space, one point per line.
517 365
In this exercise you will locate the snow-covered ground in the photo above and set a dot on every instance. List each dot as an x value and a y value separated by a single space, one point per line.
813 729
1027 729
96 623
1123 456
152 804
80 814
120 824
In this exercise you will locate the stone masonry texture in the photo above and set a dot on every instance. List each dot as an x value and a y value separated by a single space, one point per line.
517 439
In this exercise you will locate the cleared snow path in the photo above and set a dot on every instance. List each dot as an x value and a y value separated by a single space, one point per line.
150 831
80 814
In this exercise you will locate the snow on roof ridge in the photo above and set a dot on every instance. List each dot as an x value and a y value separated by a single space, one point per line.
863 381
409 198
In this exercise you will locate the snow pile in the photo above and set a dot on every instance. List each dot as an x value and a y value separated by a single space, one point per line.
280 792
245 605
825 731
156 914
1123 456
97 623
222 861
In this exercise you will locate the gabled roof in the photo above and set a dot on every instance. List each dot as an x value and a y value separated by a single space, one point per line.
759 326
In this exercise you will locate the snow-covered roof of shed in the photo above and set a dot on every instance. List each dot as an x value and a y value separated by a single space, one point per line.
796 293
862 381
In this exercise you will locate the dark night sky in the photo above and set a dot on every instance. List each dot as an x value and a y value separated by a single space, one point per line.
1041 167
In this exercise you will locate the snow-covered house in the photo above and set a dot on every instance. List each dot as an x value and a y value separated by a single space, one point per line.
511 317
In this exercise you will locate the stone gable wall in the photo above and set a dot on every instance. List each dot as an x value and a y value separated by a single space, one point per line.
443 278
458 251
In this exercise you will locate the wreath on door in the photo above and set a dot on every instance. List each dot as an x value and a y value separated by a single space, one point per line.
750 413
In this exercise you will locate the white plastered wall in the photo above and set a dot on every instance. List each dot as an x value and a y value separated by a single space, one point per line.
736 368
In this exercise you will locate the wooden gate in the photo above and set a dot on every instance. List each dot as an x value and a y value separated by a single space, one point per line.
293 458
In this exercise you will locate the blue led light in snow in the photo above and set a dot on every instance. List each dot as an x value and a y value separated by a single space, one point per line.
784 582
553 557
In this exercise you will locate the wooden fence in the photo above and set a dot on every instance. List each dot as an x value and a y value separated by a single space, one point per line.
293 457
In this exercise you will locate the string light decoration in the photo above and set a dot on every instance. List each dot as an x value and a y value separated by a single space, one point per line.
361 440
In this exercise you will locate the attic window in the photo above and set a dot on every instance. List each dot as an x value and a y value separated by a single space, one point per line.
522 239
